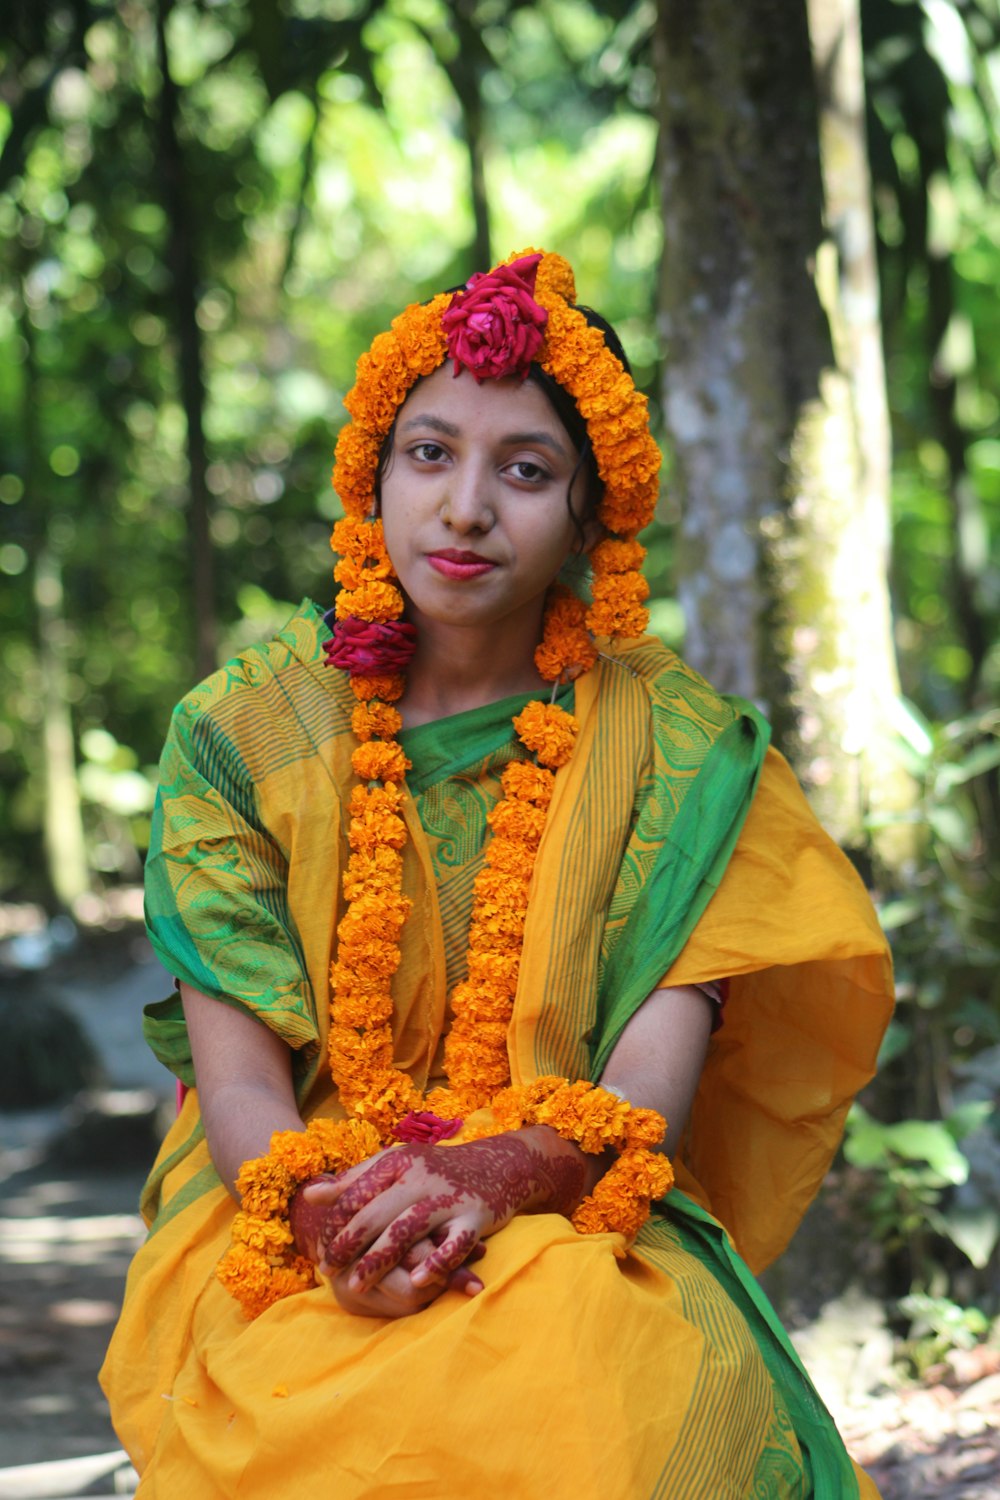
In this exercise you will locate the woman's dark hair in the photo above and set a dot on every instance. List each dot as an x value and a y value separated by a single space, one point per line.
566 410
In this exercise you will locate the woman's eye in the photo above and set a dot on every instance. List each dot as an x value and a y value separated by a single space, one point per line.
428 453
529 472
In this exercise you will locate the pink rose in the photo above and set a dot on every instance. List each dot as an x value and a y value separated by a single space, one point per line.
494 326
370 648
423 1128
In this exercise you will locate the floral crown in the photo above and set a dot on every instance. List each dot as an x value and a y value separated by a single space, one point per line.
498 325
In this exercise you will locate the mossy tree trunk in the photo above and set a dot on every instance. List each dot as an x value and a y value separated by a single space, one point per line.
773 394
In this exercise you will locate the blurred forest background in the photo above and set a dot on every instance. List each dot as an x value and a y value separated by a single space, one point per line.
792 214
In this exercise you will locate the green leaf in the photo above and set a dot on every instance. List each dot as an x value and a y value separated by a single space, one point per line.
897 913
929 1141
983 758
911 726
975 1231
968 1117
951 827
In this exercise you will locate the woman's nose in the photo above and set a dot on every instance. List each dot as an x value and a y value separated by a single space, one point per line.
467 504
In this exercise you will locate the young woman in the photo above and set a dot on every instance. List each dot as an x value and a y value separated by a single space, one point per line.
455 883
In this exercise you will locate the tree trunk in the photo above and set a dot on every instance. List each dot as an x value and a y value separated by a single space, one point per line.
465 70
65 849
783 493
183 265
63 834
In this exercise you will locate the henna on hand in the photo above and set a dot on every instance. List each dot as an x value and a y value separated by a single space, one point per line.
406 1193
308 1219
372 1218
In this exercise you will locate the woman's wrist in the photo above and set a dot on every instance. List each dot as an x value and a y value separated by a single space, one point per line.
307 1220
566 1173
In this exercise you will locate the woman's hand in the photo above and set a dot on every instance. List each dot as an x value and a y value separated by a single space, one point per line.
395 1296
421 1211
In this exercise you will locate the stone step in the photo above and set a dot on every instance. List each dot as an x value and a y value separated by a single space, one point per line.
93 1475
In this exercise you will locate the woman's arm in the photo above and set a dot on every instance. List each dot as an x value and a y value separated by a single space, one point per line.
658 1058
403 1229
368 1219
243 1073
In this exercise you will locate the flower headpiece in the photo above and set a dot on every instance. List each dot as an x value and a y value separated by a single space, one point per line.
520 312
498 325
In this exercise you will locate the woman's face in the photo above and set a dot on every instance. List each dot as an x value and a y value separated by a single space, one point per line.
474 500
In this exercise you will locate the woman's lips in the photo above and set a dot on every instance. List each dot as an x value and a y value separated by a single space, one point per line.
460 564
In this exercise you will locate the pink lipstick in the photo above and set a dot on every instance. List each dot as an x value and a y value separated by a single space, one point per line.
452 564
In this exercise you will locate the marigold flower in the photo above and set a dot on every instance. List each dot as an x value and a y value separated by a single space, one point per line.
518 821
496 970
361 1008
362 540
377 873
421 336
264 1185
611 556
386 686
355 462
505 856
372 600
547 730
555 276
270 1235
523 781
378 761
352 1053
628 621
375 721
566 651
499 888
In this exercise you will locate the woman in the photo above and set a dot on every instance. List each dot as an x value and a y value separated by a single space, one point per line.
510 913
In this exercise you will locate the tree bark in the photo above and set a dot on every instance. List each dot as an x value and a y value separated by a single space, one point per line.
784 527
465 71
63 832
183 265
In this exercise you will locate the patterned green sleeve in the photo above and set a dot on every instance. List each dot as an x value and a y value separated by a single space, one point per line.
216 893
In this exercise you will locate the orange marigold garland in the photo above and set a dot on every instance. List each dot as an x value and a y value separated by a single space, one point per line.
374 645
262 1265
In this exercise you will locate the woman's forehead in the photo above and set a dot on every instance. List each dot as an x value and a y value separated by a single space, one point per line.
459 402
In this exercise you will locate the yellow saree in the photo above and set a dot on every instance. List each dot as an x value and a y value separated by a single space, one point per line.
586 1367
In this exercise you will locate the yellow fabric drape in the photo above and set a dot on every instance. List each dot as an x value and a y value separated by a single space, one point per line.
585 1368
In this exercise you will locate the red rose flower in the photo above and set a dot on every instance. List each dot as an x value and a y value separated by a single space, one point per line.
494 326
423 1128
370 648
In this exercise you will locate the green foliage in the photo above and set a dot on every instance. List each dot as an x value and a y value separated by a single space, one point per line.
938 1325
326 170
934 1167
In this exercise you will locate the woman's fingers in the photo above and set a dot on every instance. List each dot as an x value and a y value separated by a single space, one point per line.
449 1256
325 1189
388 1249
461 1279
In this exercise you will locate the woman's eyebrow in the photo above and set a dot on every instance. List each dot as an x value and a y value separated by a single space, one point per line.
511 439
543 439
436 424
